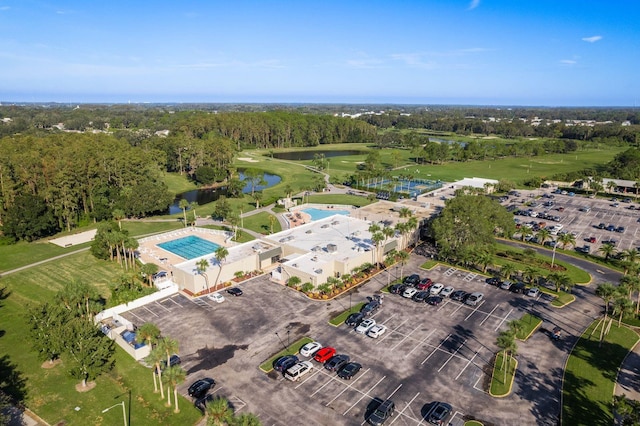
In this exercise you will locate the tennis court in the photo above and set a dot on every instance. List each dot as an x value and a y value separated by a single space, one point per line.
412 187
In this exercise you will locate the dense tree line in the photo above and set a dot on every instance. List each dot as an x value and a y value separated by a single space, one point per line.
60 180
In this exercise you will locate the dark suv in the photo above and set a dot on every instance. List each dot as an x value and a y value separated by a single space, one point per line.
382 413
354 319
173 360
412 279
200 387
369 309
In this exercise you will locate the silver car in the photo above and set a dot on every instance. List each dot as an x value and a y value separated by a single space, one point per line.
474 298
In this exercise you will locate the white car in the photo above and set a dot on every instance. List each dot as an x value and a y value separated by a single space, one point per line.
365 326
310 349
408 293
216 297
376 331
533 292
446 292
436 289
474 298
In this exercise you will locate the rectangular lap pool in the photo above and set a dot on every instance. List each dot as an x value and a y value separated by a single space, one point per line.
189 247
317 214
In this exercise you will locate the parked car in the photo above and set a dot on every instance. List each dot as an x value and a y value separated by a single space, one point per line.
409 292
234 291
584 249
533 292
324 354
349 370
201 387
424 284
382 413
434 300
365 325
494 281
447 291
518 287
420 296
216 297
601 226
370 308
284 362
354 319
397 288
412 279
297 371
620 229
436 289
336 362
310 349
591 239
459 295
611 228
173 360
377 331
474 298
439 414
506 285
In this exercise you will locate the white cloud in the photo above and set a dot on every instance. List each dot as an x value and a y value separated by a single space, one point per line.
592 39
473 4
3 8
568 62
414 60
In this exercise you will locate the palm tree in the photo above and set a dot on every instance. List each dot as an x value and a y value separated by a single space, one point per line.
525 231
531 274
608 250
543 235
606 292
154 358
221 255
246 419
148 332
183 205
515 326
169 346
403 258
174 376
611 185
566 239
559 280
507 270
218 412
631 255
622 306
149 270
485 259
294 282
376 238
201 267
504 341
118 215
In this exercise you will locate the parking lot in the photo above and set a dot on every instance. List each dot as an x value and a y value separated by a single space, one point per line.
582 215
429 353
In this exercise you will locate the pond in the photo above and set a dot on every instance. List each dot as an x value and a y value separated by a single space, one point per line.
309 155
208 195
447 141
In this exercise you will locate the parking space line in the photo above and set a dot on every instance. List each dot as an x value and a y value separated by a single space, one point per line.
313 374
388 334
348 386
443 305
475 386
141 319
388 319
452 355
456 310
465 367
363 395
436 349
474 311
489 314
503 320
171 299
420 343
401 413
162 306
153 313
406 336
331 379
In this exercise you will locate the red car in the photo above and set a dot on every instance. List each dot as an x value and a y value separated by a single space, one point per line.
424 284
324 354
591 239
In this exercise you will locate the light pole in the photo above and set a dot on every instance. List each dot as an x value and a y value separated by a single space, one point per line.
124 411
283 345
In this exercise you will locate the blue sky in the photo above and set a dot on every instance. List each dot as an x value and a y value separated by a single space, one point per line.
479 52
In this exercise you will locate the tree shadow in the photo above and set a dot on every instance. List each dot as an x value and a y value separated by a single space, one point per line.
12 381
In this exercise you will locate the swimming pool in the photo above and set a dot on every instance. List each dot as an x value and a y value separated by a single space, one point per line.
317 214
189 247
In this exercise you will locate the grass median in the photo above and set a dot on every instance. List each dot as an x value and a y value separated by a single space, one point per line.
340 319
561 298
501 380
530 323
292 349
590 375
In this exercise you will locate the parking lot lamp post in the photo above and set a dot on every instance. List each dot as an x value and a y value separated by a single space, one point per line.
553 257
124 411
288 339
283 345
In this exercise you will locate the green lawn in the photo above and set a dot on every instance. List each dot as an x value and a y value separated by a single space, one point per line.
562 298
499 385
530 324
341 318
261 223
590 376
177 183
293 349
351 200
51 393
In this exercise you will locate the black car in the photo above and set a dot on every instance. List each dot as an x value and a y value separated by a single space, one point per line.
201 387
336 362
412 279
354 319
459 295
382 413
620 229
370 308
434 300
173 360
494 281
284 362
420 296
234 291
439 413
518 287
394 289
349 370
